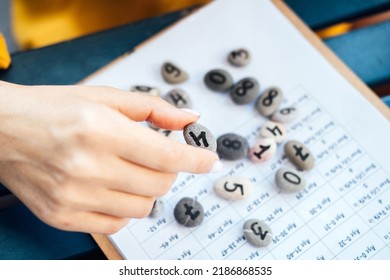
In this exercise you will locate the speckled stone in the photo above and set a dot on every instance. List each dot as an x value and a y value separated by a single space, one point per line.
245 91
299 155
178 98
263 149
257 233
239 57
157 209
285 115
189 212
153 91
273 130
199 136
269 102
233 187
231 146
289 180
173 74
218 80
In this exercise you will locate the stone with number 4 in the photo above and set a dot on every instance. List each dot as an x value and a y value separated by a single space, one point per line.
233 187
273 130
189 212
299 155
178 98
199 136
257 233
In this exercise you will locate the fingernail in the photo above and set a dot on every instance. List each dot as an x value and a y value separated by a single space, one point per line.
217 166
191 112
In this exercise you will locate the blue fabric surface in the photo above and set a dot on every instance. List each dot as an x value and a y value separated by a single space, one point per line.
23 236
318 14
366 51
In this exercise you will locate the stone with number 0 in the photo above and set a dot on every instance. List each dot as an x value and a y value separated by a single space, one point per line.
218 80
257 233
233 187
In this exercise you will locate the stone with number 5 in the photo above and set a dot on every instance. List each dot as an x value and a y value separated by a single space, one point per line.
233 187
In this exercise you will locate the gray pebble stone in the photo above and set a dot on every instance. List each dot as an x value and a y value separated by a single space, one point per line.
273 130
289 180
232 146
199 136
146 90
172 74
262 150
285 115
269 102
245 91
178 98
239 57
189 212
157 209
299 155
218 80
257 233
233 187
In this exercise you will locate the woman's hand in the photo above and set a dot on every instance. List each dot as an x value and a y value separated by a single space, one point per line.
78 159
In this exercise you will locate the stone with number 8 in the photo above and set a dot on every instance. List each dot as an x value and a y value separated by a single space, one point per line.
231 146
269 102
233 187
245 91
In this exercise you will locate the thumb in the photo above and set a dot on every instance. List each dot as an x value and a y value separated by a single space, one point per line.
140 107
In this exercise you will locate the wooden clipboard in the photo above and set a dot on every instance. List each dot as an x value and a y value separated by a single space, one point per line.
104 242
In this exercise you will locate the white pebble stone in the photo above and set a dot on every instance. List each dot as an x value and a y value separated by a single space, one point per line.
274 130
233 187
263 149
